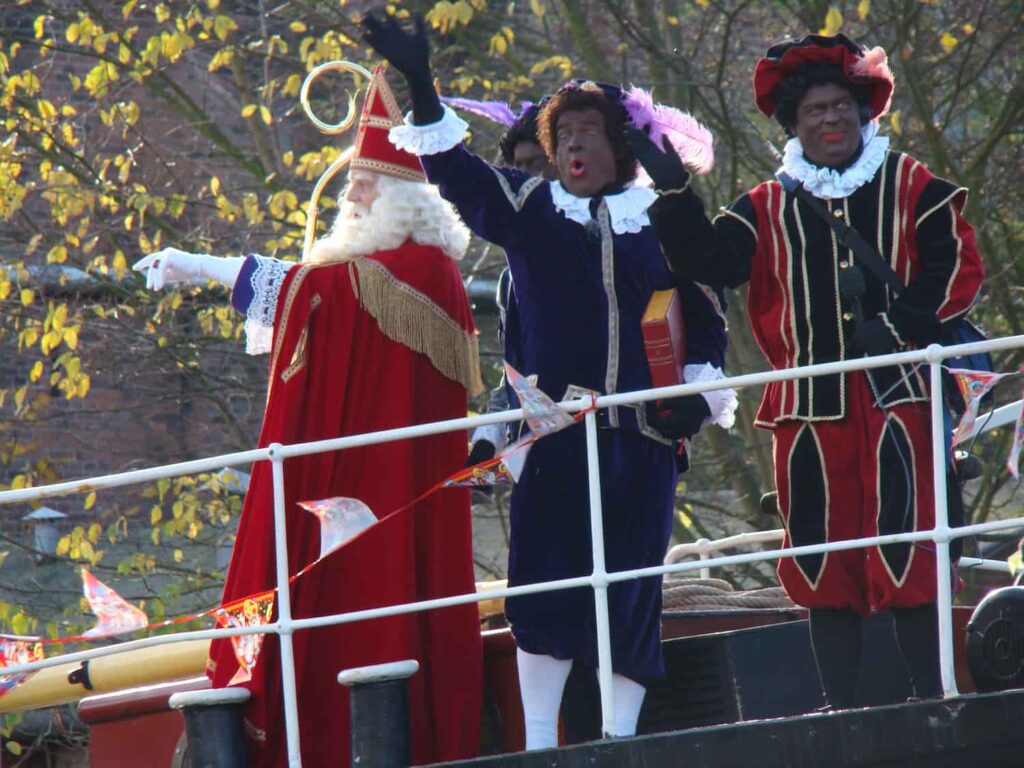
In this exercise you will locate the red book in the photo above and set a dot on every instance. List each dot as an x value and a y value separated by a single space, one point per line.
664 338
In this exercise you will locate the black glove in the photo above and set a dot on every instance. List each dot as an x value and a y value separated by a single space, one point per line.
679 417
409 53
482 450
664 167
872 337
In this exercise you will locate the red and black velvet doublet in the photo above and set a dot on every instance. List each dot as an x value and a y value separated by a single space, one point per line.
792 261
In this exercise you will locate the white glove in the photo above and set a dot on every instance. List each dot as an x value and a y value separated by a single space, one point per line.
172 265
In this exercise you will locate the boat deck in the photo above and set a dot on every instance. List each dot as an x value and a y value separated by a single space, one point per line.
978 729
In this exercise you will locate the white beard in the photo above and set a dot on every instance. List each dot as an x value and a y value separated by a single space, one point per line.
403 210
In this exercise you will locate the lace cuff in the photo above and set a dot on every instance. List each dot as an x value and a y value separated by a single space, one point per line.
446 133
721 402
265 282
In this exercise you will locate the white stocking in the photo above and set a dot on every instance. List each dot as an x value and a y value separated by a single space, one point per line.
541 682
629 697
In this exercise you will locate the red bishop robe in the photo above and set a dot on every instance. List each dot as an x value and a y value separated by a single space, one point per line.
381 342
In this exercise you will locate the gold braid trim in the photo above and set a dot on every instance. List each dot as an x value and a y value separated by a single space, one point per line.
411 318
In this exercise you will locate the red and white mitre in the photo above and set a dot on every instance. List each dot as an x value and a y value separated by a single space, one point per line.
373 151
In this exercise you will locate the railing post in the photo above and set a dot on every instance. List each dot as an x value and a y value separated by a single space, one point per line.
379 713
213 722
284 611
600 580
705 548
943 568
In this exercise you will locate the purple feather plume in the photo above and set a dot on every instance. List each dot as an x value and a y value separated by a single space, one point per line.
692 141
496 111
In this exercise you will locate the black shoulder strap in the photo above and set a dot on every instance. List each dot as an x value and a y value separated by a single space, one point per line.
846 235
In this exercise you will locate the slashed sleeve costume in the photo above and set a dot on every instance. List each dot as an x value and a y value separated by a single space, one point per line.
859 442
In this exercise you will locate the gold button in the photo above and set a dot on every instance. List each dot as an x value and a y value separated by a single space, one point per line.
837 213
847 317
844 264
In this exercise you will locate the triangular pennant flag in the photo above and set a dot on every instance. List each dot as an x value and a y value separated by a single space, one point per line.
973 386
542 414
490 472
513 458
18 650
341 519
116 615
252 611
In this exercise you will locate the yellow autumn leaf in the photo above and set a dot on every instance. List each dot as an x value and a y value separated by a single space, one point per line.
537 7
265 114
247 111
833 22
1016 562
948 42
120 264
27 296
36 372
894 121
684 519
862 9
90 500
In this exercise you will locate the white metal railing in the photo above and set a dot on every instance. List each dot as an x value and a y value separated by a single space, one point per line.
600 578
704 548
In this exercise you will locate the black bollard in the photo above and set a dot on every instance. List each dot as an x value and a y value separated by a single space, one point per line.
379 713
213 722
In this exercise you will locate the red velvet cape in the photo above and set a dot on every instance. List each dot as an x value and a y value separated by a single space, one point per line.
334 372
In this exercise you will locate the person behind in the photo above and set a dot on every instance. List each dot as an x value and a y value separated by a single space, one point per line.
858 442
584 263
372 331
520 149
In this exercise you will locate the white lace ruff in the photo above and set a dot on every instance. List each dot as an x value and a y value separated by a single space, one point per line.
266 282
627 210
722 402
430 139
830 184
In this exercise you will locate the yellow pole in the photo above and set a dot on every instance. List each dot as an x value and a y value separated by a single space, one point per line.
146 666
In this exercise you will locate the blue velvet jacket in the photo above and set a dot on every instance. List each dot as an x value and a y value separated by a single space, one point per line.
584 271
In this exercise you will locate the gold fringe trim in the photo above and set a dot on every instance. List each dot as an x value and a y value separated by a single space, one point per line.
411 318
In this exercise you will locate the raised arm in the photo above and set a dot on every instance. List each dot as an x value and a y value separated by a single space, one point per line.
716 254
488 199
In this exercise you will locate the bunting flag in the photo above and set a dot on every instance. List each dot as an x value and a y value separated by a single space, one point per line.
1013 460
543 415
341 519
252 611
503 469
18 650
973 386
116 615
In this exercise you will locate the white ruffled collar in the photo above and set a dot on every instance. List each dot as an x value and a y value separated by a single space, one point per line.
627 209
830 184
